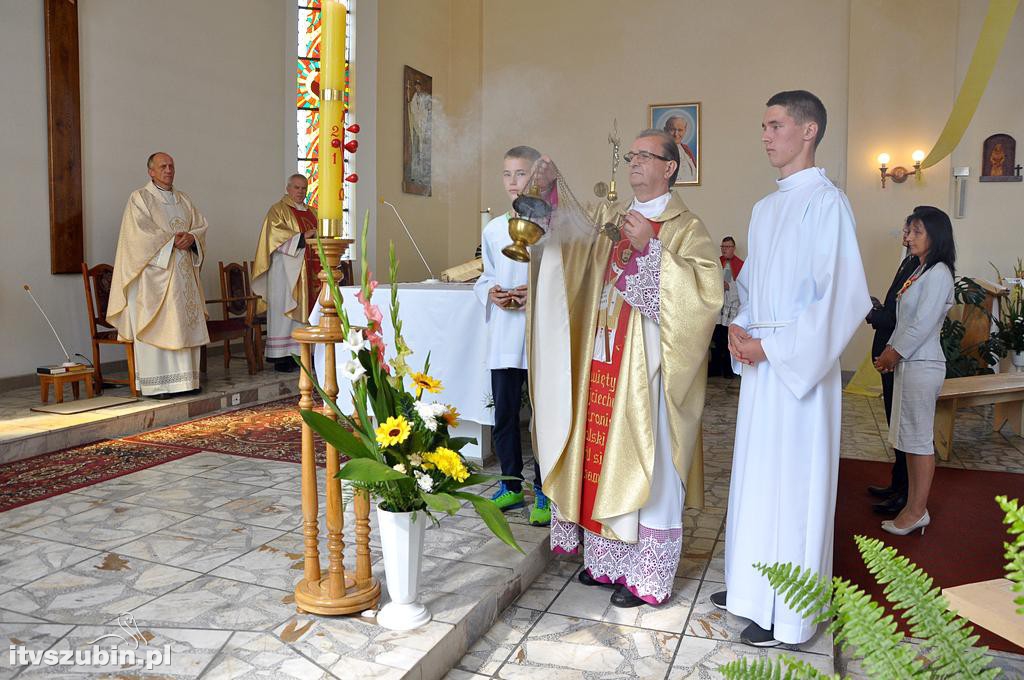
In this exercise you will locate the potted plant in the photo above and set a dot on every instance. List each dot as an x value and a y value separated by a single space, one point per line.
1011 317
399 446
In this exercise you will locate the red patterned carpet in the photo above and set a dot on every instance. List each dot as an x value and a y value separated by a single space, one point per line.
964 543
272 431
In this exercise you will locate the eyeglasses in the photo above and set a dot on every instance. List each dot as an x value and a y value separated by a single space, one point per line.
642 156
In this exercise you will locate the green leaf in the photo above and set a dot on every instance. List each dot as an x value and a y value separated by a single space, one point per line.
459 443
336 435
442 502
492 517
367 471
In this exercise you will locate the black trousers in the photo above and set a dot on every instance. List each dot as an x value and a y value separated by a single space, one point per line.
899 468
507 389
720 363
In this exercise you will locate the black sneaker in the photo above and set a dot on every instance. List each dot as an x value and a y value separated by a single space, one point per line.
718 599
757 636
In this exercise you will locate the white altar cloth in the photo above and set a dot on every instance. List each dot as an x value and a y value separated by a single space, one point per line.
446 320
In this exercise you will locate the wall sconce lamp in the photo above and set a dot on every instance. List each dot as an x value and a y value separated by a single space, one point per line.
899 174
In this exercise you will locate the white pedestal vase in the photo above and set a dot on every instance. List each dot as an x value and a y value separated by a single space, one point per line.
1018 361
401 540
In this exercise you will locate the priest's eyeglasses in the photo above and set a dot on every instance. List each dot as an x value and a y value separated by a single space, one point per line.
642 157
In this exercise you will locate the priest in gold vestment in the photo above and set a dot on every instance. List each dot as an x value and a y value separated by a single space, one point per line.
619 334
279 272
156 296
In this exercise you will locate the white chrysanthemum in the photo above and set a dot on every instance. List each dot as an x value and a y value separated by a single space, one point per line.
352 370
425 481
439 409
416 460
426 413
400 467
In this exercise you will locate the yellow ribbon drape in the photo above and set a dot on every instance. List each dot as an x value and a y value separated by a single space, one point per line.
866 382
986 53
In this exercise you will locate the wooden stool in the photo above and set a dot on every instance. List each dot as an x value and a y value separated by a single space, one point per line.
59 380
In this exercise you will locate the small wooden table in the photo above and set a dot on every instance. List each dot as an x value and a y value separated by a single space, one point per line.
60 379
1004 390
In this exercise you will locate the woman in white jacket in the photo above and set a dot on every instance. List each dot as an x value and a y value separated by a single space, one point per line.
914 353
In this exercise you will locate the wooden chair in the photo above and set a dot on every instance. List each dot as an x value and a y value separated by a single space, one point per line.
238 315
97 293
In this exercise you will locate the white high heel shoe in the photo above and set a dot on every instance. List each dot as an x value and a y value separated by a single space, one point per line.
890 526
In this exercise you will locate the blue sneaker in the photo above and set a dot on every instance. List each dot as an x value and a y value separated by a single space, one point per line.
540 513
507 499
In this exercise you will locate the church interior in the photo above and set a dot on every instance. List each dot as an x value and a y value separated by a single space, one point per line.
186 524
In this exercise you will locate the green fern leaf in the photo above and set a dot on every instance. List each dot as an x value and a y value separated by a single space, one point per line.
948 640
1014 550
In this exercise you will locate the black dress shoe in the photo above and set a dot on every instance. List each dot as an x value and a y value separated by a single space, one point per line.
586 579
891 506
757 636
718 599
162 396
882 491
625 599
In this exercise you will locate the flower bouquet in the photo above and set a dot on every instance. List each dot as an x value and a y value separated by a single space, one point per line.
398 441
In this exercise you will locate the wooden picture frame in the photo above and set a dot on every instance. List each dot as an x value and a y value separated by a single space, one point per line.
999 159
417 110
682 121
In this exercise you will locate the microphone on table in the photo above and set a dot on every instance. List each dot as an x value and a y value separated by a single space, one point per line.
64 349
430 271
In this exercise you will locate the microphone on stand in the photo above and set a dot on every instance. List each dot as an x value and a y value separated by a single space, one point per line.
430 271
64 349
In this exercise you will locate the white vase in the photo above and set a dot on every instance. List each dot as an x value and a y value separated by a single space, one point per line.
401 539
1018 361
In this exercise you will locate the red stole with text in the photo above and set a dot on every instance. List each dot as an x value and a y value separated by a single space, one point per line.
307 222
610 333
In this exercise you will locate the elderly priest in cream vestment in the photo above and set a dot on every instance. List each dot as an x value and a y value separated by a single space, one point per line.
156 296
618 338
279 271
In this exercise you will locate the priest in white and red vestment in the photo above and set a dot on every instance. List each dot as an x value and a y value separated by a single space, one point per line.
618 343
156 296
280 273
803 294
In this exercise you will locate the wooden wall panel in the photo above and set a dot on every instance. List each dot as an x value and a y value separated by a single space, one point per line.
64 127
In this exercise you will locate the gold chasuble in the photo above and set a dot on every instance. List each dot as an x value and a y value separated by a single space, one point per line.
595 429
169 309
284 220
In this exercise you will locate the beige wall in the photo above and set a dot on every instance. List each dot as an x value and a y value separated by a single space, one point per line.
154 76
555 78
441 38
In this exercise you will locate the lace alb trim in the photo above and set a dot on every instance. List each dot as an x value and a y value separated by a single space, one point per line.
647 567
643 288
565 536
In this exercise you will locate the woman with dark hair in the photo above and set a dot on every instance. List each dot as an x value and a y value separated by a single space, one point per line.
914 354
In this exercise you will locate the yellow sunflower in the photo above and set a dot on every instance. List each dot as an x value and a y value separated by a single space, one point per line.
422 381
449 463
451 416
393 431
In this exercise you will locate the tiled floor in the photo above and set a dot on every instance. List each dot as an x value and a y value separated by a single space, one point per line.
204 552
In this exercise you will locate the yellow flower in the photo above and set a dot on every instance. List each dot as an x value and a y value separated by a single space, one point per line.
393 431
451 416
449 463
422 381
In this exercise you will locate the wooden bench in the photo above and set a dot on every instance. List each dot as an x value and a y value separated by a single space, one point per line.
1004 390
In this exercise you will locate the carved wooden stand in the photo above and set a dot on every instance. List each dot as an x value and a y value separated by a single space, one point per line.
338 592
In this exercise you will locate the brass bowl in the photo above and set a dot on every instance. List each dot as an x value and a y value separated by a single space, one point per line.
524 233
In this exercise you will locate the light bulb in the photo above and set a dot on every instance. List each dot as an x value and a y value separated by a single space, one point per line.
918 156
883 159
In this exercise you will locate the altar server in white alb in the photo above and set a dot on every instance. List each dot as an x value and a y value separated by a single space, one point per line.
156 296
502 291
802 296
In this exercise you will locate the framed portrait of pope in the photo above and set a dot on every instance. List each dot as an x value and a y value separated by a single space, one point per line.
682 123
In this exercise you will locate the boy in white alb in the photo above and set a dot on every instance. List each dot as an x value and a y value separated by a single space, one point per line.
502 291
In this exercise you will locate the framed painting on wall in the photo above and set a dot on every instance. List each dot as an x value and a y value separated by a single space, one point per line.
418 89
682 122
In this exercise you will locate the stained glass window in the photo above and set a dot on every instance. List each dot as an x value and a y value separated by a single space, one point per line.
307 96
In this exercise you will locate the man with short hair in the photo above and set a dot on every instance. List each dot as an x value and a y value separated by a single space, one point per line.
156 296
279 274
720 364
802 296
677 127
619 330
